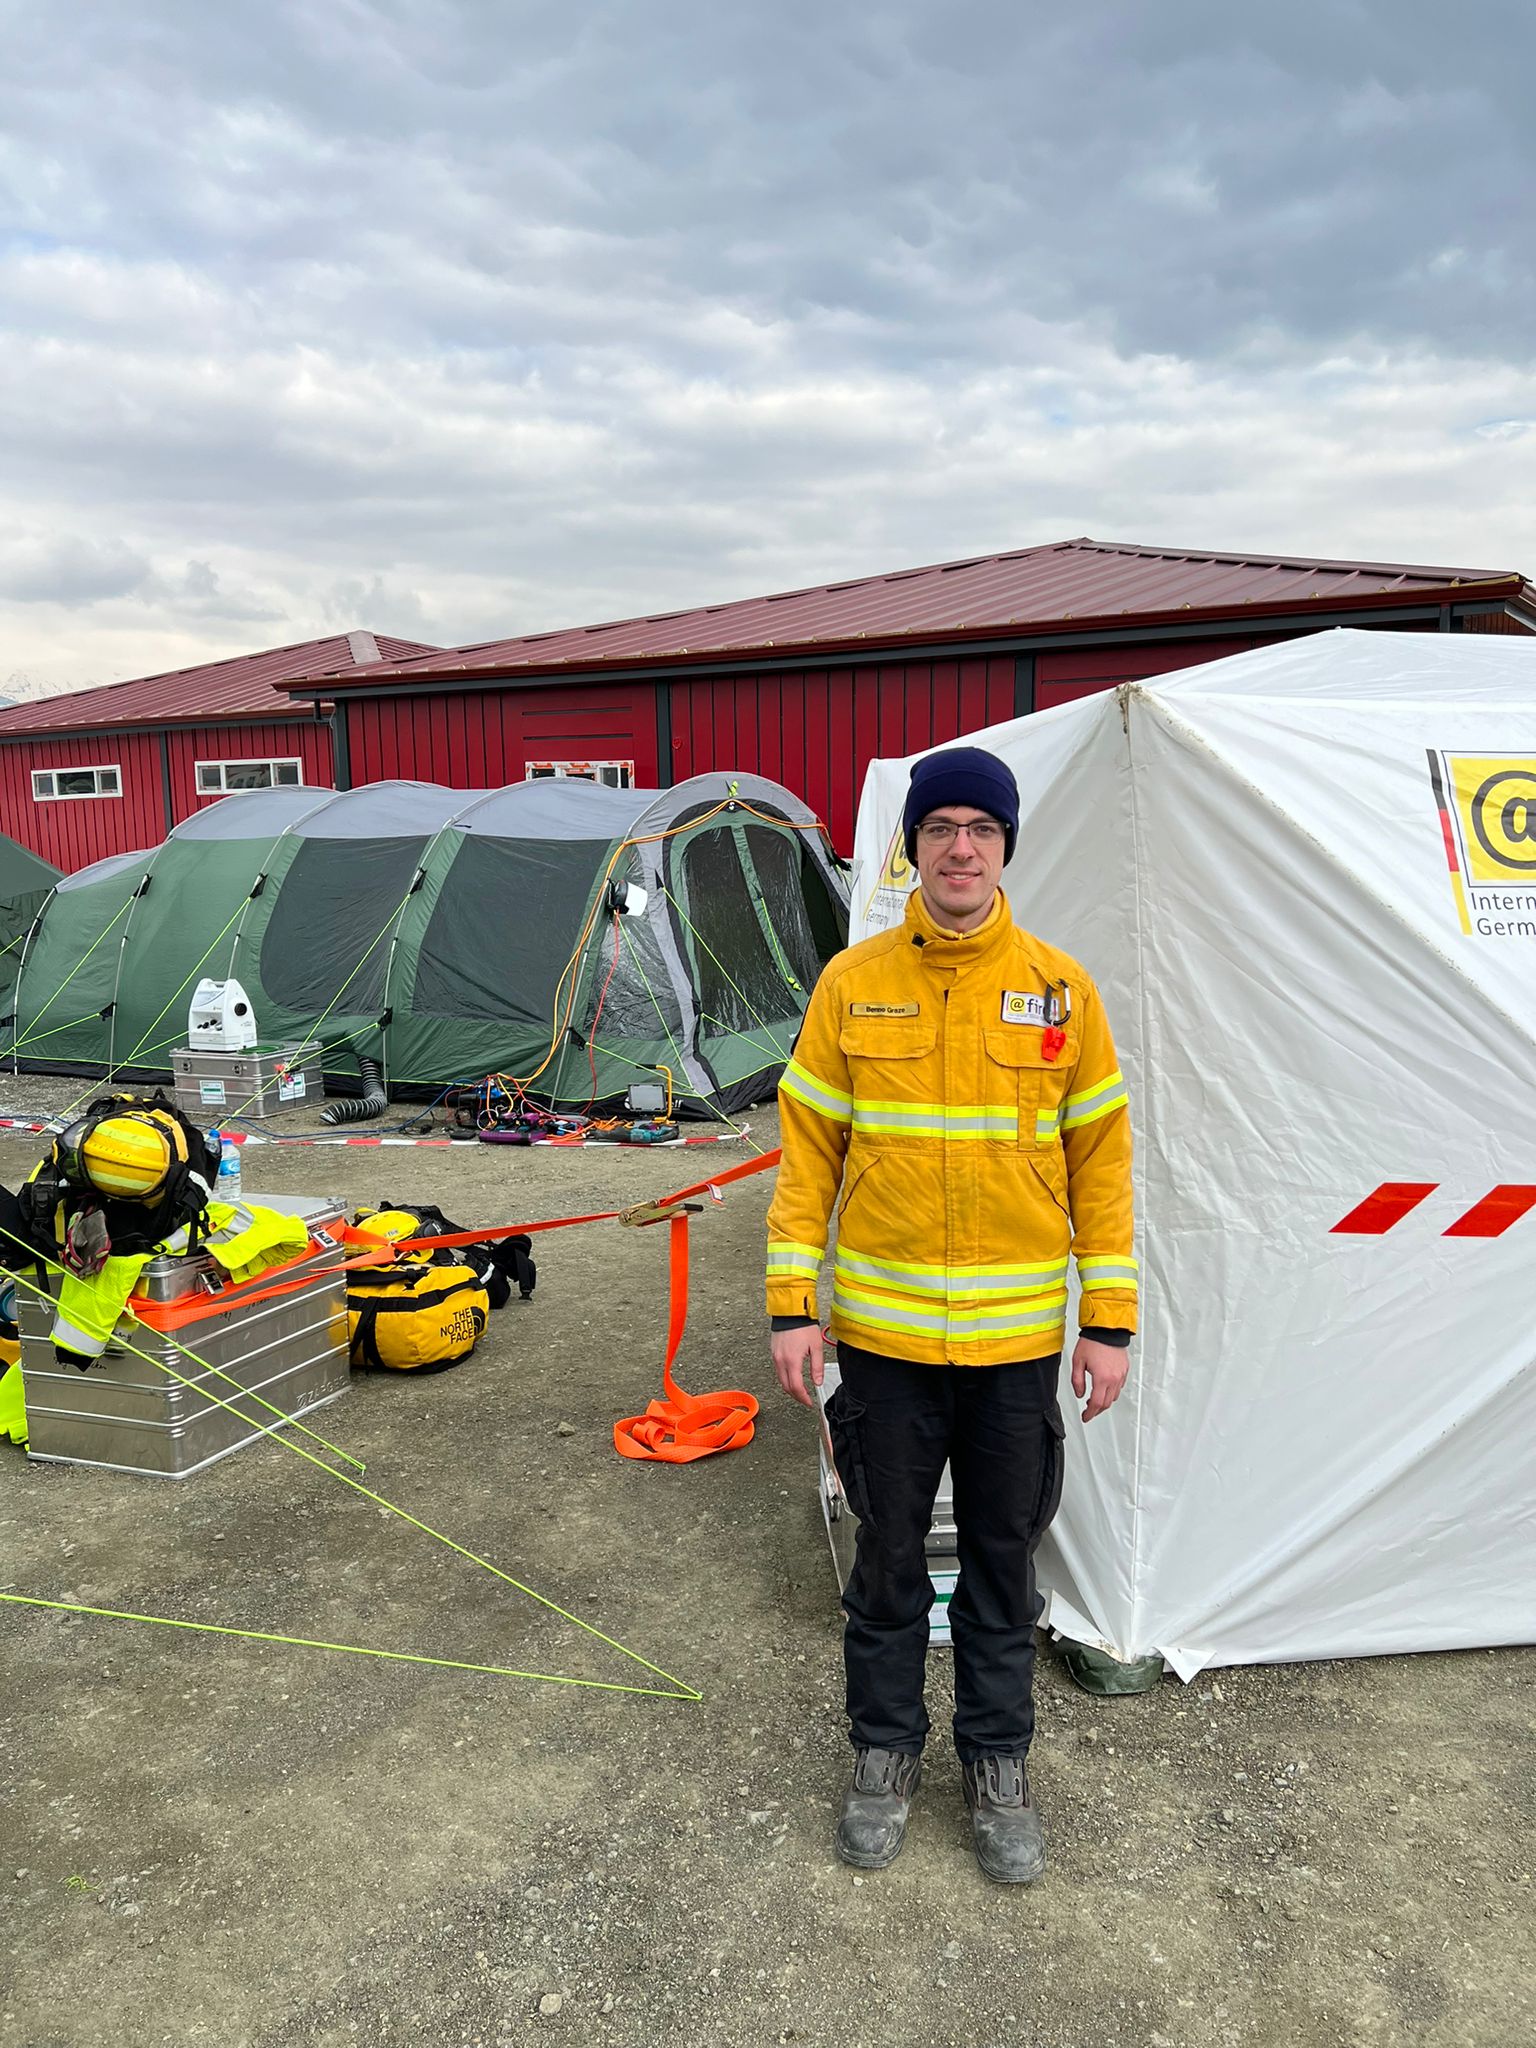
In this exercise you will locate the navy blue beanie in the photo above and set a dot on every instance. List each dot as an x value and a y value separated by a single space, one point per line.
962 775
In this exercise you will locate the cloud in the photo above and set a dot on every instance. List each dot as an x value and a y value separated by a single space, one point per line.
66 569
488 319
387 608
198 593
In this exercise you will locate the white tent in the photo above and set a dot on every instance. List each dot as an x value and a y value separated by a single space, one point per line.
1305 881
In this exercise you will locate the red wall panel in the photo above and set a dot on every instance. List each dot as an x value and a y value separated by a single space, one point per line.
480 739
1494 622
816 730
1075 672
74 831
307 741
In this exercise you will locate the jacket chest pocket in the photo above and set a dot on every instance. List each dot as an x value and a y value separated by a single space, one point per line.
892 1074
1023 1074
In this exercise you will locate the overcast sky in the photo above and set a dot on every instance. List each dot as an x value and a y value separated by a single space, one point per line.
455 318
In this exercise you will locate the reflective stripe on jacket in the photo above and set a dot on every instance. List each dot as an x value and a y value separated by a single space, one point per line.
964 1164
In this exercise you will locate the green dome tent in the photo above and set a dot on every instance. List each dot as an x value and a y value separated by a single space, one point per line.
564 934
24 885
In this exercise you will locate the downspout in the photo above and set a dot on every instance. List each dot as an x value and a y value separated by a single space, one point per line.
167 796
341 744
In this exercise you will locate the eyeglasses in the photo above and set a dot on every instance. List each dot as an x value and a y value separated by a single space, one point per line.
943 831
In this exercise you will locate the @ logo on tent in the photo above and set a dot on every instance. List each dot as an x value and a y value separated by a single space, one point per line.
1487 806
1503 812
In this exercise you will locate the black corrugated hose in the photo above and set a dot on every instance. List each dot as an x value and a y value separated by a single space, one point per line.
360 1109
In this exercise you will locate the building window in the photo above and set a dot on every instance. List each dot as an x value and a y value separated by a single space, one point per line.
612 774
217 778
49 784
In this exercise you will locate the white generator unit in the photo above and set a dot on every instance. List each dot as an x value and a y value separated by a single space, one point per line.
220 1018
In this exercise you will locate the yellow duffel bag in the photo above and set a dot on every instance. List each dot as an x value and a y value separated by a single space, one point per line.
415 1318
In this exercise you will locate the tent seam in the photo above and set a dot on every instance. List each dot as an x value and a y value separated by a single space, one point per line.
1149 1069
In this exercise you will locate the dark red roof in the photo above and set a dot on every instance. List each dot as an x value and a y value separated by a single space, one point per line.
1070 584
240 687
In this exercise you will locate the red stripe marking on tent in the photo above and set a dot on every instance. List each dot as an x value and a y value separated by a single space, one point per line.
1450 841
1389 1204
1494 1214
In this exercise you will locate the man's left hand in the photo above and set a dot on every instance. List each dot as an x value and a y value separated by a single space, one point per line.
1107 1366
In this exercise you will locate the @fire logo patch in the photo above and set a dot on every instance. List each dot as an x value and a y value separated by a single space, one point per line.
1487 807
1021 1008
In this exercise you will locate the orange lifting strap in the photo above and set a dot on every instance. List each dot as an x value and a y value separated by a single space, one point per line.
683 1426
675 1430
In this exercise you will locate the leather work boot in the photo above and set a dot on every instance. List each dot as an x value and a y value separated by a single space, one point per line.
1010 1842
874 1818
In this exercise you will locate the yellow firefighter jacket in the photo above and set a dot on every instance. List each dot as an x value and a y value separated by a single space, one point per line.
964 1162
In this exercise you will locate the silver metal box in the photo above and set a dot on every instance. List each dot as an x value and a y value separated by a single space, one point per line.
842 1522
211 1085
128 1415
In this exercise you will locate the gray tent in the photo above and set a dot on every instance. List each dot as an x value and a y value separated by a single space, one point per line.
25 881
569 936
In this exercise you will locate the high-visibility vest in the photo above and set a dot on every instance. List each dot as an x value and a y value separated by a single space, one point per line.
13 1407
244 1238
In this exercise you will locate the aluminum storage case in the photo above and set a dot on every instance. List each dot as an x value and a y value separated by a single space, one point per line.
211 1084
842 1522
126 1415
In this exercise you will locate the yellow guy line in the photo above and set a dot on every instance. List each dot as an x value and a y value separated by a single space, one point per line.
313 1034
681 1691
17 1043
284 1420
256 1635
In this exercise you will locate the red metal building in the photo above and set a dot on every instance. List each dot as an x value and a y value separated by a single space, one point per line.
807 685
95 772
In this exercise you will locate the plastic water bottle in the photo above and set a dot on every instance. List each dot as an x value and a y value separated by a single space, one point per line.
228 1187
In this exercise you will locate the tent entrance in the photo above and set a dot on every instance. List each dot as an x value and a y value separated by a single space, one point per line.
755 918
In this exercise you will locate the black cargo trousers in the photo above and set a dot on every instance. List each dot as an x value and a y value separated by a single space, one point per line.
893 1425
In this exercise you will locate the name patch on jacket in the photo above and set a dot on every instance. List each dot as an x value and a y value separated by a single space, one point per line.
884 1009
1020 1007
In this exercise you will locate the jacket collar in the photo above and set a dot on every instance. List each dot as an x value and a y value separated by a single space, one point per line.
959 950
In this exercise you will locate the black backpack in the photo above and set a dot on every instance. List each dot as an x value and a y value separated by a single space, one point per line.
501 1263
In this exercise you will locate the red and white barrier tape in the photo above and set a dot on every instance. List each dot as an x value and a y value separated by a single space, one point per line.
52 1126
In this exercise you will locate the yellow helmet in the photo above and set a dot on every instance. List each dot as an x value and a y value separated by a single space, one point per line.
128 1157
390 1226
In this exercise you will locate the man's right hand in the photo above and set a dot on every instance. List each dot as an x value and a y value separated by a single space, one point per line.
793 1351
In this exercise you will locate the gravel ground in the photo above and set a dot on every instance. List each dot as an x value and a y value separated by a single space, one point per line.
212 1840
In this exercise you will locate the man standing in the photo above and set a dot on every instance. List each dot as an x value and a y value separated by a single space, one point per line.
954 1096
